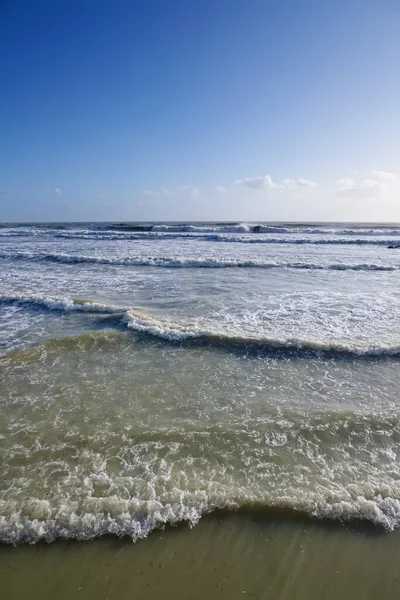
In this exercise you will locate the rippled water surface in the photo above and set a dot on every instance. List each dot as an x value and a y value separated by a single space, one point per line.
150 374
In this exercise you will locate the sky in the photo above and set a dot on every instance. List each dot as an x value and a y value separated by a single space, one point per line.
199 110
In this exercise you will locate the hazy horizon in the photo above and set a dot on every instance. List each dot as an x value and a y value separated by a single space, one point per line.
203 221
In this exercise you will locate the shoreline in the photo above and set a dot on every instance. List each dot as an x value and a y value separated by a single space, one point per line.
227 555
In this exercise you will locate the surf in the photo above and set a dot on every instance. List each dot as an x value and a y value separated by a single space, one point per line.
193 262
58 303
148 325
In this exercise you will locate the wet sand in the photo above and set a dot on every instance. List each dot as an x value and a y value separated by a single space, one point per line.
226 556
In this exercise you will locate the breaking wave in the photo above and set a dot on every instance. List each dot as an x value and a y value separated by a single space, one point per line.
180 331
231 238
192 262
207 333
243 238
57 303
246 233
37 519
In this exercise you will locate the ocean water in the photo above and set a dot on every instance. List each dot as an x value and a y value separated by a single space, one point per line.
151 374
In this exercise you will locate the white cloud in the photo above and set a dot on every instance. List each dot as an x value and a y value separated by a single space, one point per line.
266 183
385 176
292 184
165 191
220 189
149 192
257 183
368 187
382 184
344 183
58 191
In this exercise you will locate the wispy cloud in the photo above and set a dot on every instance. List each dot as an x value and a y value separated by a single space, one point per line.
220 189
385 176
292 184
58 191
266 182
368 187
257 183
345 183
191 190
381 183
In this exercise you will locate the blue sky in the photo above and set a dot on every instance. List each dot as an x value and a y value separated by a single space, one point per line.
200 109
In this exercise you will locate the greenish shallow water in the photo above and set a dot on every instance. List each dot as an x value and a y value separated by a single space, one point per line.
106 432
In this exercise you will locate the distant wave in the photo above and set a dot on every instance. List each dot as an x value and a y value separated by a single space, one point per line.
228 232
124 227
240 238
285 228
273 229
226 228
191 262
229 238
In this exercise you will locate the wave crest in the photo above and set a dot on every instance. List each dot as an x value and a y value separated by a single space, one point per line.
57 303
193 262
136 518
185 331
175 331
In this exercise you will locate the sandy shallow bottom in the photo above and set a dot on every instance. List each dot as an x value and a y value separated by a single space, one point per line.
225 556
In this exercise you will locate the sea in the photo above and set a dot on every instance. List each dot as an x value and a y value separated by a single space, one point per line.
241 379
